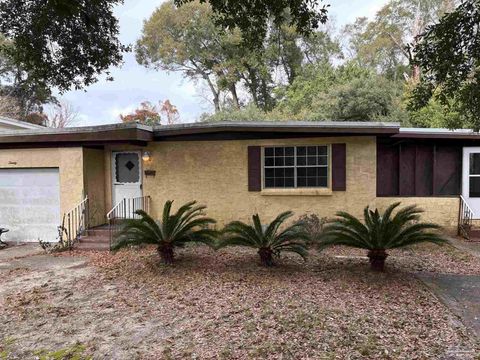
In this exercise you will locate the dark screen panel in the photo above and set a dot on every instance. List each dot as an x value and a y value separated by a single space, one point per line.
407 170
387 170
447 170
424 170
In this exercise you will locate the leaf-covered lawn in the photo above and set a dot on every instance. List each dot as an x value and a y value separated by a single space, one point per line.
223 305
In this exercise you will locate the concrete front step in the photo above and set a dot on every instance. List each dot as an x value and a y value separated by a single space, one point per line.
98 232
95 239
92 246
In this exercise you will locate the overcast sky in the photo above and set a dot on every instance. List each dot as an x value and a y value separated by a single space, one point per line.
102 102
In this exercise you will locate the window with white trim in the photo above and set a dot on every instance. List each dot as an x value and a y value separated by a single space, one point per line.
295 166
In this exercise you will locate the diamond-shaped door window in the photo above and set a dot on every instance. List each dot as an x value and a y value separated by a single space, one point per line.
129 165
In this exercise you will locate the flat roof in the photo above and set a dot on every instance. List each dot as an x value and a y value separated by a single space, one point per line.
129 132
271 128
437 133
141 134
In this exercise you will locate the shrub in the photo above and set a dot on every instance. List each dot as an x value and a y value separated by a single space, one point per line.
268 239
313 226
188 224
381 232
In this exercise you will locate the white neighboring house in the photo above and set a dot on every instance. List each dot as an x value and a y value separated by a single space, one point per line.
8 124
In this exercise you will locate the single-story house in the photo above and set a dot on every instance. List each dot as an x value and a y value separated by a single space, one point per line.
236 169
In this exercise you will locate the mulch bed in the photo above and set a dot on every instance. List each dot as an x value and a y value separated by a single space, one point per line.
225 305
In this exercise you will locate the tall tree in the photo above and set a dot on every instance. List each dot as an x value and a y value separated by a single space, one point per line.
252 17
17 86
61 43
185 39
449 55
382 42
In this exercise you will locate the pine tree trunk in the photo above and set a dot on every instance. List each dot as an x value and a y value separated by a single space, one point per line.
166 253
233 91
377 259
266 256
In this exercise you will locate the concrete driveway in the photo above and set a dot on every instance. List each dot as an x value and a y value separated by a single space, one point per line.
461 293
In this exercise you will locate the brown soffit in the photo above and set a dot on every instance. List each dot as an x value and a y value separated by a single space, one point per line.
121 133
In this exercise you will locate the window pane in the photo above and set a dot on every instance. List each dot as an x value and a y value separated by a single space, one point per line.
301 150
279 182
268 161
311 181
322 150
279 161
289 151
301 161
323 181
268 152
269 182
301 182
289 172
280 173
289 161
323 171
289 182
278 151
312 160
269 173
311 172
475 164
311 150
475 186
322 160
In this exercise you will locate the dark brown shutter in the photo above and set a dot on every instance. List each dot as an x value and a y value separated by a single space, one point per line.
339 167
254 168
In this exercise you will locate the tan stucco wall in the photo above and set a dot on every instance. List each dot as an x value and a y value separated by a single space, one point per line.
439 210
68 160
215 174
94 180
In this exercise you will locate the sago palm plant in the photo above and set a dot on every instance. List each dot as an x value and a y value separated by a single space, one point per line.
269 240
188 224
381 232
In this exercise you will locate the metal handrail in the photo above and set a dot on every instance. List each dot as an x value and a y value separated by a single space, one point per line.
74 223
125 209
465 217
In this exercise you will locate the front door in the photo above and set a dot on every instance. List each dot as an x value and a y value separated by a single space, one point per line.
127 175
471 179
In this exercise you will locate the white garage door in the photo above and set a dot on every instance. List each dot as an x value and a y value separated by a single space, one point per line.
30 204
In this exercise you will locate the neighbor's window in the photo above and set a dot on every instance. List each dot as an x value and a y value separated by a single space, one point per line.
295 166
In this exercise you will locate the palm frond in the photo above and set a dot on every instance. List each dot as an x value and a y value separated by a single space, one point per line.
185 225
391 229
268 239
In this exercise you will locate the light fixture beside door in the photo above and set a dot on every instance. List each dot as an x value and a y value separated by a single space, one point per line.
146 156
